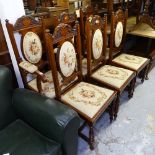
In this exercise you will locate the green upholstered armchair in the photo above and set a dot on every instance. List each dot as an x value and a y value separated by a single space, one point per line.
31 124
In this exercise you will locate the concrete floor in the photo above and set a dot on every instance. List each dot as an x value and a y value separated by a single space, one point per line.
133 133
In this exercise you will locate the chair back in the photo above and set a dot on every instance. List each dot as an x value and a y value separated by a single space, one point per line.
117 32
32 46
84 14
68 18
49 24
96 34
64 57
53 21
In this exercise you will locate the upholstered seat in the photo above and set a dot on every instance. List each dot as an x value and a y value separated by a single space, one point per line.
115 76
107 53
47 87
131 61
84 66
88 99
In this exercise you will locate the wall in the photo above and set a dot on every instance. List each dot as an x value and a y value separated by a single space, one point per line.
11 10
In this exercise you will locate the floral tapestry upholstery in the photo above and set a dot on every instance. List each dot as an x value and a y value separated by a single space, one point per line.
131 61
48 88
84 66
28 66
97 44
112 75
107 53
77 13
118 34
32 47
67 58
87 98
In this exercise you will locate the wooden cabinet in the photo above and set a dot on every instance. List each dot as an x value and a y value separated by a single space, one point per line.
110 5
4 55
53 11
63 3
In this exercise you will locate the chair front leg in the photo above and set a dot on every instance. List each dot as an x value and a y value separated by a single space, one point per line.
131 88
144 73
91 136
148 70
116 107
89 139
112 109
111 112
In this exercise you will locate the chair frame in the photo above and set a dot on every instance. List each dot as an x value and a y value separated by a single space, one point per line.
23 25
119 16
61 34
83 17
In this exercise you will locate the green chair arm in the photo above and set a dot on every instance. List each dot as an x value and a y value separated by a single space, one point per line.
51 118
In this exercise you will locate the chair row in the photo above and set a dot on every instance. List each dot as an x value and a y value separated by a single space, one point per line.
54 61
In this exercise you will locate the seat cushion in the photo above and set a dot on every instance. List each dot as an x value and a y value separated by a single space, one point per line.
87 99
84 66
130 61
107 53
47 87
115 76
20 139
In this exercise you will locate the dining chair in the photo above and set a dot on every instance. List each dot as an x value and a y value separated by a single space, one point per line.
31 56
89 100
117 56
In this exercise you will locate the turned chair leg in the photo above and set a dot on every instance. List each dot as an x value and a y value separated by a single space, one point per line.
151 57
91 136
116 106
111 111
131 88
89 139
148 70
144 73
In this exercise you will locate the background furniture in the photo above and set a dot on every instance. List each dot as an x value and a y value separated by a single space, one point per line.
57 10
110 5
143 32
31 124
146 13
